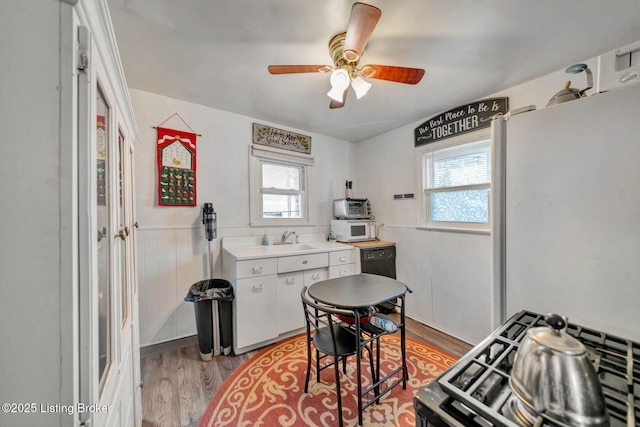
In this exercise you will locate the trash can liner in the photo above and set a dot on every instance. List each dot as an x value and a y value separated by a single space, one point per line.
217 289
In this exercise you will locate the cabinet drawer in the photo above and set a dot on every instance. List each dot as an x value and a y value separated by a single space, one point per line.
341 270
313 276
256 267
302 262
341 257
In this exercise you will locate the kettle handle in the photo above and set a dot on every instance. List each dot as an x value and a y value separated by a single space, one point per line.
542 399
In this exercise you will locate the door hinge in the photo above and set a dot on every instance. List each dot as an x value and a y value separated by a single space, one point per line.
83 59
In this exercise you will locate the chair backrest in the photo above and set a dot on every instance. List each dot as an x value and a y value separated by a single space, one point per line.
321 319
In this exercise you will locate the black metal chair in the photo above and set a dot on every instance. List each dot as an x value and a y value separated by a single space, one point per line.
331 338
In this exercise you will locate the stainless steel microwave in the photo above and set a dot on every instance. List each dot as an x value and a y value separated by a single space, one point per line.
353 230
352 209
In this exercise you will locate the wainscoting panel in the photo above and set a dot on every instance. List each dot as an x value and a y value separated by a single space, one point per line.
170 260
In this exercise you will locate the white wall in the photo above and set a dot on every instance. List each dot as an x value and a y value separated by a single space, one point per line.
36 211
172 247
449 272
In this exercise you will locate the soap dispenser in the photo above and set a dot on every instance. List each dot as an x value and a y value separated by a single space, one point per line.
265 239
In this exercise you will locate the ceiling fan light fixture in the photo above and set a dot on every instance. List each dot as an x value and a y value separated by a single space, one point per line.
336 94
346 49
360 86
339 79
339 82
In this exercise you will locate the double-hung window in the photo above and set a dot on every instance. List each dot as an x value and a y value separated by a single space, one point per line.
456 183
279 187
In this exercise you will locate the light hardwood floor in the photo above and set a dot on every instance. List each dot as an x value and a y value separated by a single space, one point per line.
178 385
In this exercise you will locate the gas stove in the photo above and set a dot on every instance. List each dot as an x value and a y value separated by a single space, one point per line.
475 391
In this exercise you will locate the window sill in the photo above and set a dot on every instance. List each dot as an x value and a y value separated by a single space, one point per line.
454 229
282 223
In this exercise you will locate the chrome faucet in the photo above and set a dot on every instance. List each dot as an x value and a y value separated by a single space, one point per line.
285 235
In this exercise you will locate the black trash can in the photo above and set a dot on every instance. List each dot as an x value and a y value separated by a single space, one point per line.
203 294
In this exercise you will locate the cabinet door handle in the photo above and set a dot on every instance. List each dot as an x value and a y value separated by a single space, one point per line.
305 262
291 281
343 273
258 288
343 259
315 276
257 270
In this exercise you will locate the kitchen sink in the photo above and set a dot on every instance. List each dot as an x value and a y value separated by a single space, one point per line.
285 248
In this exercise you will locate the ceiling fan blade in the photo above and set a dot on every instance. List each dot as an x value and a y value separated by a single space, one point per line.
406 75
337 104
362 21
292 69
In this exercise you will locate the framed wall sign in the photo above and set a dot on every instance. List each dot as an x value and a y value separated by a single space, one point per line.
460 120
278 138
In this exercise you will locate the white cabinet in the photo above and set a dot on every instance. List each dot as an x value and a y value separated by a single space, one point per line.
267 304
294 272
313 276
256 310
255 306
341 263
290 314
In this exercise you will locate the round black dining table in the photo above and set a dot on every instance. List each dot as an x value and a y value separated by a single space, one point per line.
356 291
360 291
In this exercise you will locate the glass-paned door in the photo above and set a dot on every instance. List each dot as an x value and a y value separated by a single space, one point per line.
106 257
103 242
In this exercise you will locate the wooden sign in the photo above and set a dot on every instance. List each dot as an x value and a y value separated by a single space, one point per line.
272 137
460 120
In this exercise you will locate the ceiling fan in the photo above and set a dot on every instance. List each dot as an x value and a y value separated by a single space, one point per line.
345 50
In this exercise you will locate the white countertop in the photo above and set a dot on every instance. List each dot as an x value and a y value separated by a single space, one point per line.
246 248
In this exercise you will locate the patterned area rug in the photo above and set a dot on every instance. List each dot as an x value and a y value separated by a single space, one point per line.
268 390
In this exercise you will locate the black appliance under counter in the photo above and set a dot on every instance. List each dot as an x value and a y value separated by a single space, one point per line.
378 257
475 390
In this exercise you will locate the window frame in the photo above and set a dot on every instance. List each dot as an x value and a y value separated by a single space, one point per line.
424 216
257 157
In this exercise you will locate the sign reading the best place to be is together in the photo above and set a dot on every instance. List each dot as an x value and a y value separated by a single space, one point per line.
460 120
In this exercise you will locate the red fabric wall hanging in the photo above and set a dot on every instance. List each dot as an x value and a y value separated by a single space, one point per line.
176 157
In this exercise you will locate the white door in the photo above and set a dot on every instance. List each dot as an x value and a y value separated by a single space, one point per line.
107 259
133 278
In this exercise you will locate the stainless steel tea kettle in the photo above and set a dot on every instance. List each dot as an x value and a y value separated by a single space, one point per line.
552 375
569 93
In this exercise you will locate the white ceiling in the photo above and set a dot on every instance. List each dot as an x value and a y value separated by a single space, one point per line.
216 53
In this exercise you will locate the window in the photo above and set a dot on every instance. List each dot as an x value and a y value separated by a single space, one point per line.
279 187
456 183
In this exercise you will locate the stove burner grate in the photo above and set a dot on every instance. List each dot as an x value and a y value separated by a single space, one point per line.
476 391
